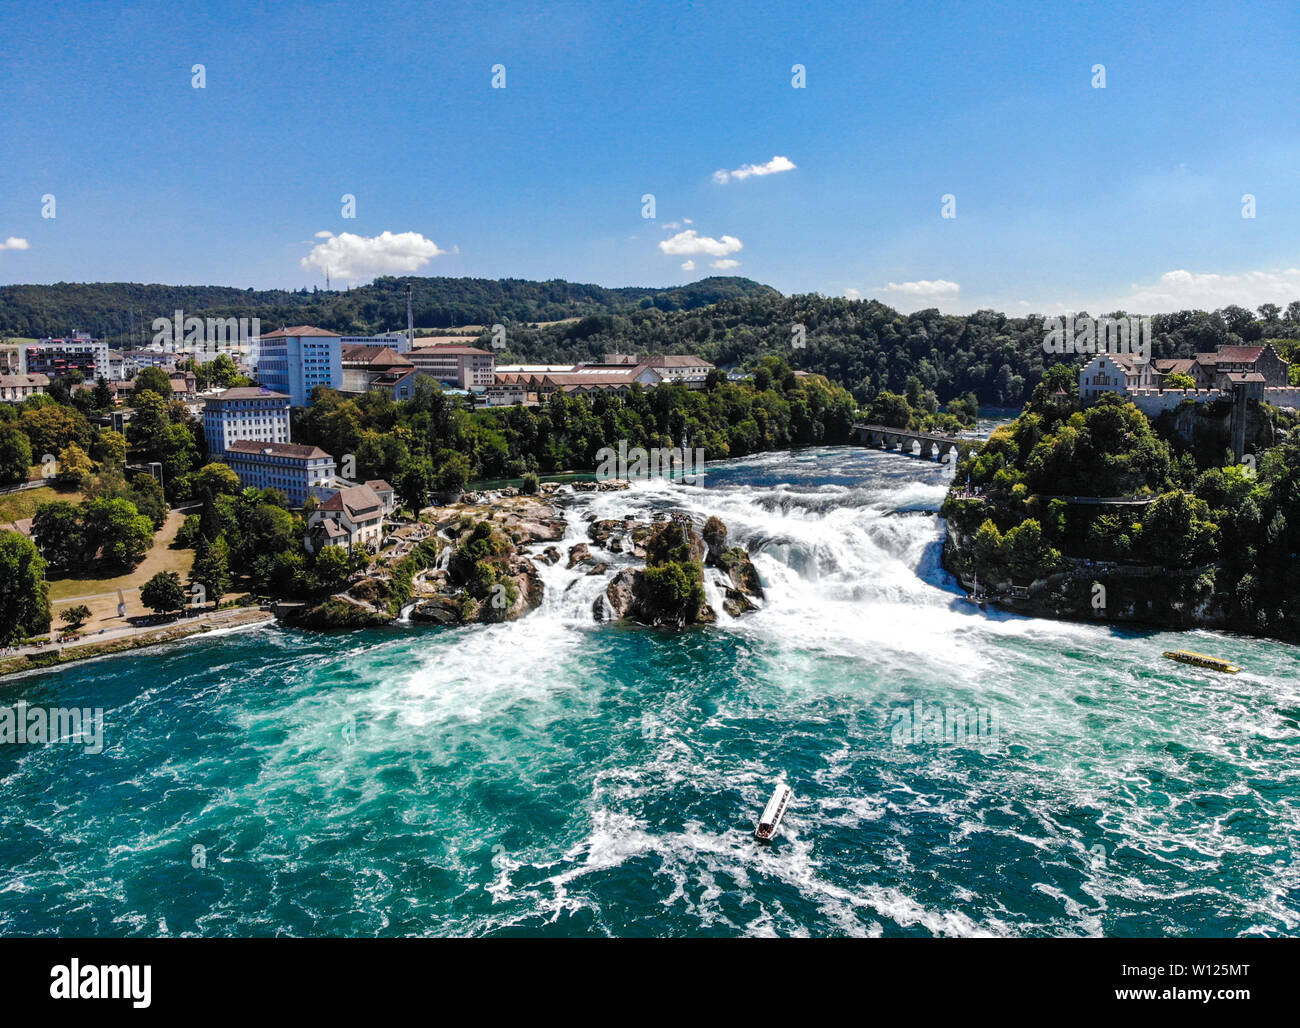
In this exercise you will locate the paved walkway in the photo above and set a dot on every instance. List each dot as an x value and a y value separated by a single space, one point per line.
126 630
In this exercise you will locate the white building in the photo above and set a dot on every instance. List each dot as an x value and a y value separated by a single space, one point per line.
57 357
689 370
505 393
466 367
244 414
296 360
1257 370
1115 373
350 517
296 470
13 359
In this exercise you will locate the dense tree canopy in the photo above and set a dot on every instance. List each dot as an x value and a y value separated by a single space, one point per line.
24 596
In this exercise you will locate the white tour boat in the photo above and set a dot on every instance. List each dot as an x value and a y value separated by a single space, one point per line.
772 813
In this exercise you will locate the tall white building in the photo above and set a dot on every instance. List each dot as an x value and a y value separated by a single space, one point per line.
244 414
296 360
296 470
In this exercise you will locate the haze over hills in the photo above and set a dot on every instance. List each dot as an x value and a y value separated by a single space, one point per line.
864 345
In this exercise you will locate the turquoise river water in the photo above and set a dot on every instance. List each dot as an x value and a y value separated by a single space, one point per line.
556 776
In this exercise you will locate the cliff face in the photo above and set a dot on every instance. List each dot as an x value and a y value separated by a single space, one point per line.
1206 429
1101 591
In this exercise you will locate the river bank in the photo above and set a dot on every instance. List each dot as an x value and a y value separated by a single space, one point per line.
57 655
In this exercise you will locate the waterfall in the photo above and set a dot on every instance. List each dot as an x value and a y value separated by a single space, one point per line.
714 591
853 561
571 593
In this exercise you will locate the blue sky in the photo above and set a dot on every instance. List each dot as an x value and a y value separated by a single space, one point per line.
1068 197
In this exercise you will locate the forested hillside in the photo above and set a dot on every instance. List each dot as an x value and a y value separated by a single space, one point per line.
864 345
110 310
869 347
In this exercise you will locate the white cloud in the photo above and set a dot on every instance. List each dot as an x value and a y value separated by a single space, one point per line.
349 256
924 287
324 235
14 243
690 243
1189 290
722 176
688 265
723 265
669 226
853 294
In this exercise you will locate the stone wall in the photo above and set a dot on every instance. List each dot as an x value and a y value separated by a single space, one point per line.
1152 401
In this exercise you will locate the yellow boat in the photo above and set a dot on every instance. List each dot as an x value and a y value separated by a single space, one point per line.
1201 660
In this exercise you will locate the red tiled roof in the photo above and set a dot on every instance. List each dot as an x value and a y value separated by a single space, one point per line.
1239 354
297 331
385 355
250 393
601 378
356 501
676 360
253 446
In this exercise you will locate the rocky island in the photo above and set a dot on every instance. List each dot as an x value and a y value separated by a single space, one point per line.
479 560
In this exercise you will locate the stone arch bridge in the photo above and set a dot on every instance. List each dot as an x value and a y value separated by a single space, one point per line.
920 444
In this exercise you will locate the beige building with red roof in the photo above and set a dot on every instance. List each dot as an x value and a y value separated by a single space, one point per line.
367 368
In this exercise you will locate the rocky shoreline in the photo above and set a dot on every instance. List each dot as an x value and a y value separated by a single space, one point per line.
477 561
1138 595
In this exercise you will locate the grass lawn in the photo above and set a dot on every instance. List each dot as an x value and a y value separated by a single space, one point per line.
161 557
23 504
